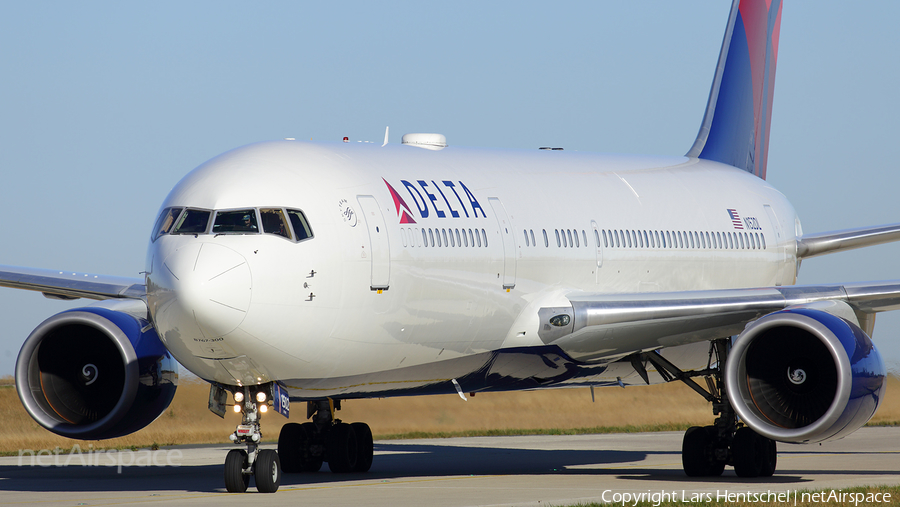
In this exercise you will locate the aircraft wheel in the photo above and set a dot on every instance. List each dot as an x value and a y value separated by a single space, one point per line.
310 460
364 447
770 457
341 449
236 481
697 453
748 451
290 448
267 471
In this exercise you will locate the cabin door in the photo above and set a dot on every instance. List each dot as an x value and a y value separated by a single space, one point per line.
379 247
508 241
598 249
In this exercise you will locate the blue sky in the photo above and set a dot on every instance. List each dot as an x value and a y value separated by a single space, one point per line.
105 106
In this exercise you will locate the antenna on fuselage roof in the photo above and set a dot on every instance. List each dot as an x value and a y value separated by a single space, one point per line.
386 130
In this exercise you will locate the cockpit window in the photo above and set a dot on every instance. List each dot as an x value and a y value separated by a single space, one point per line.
274 223
301 226
290 224
192 221
165 222
236 222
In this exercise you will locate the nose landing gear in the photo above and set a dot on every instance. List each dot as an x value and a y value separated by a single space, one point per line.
263 465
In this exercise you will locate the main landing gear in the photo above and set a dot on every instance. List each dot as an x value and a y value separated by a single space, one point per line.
706 450
263 464
304 447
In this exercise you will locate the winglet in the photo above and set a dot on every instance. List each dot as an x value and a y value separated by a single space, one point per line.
735 127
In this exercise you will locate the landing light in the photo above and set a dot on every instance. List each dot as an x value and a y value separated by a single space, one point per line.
237 409
260 397
263 408
238 396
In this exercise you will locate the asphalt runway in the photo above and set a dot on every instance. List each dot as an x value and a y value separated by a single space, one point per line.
532 470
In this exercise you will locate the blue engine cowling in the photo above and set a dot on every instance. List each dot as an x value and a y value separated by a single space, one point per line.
95 373
804 375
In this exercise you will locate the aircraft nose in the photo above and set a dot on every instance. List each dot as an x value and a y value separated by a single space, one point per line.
207 288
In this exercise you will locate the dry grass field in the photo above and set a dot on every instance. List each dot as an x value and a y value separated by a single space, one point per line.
187 419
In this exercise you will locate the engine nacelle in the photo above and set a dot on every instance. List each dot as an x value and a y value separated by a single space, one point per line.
804 375
95 373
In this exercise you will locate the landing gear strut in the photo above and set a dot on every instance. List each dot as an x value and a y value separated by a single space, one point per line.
706 450
263 464
346 447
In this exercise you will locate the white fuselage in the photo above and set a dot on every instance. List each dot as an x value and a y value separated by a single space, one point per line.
372 299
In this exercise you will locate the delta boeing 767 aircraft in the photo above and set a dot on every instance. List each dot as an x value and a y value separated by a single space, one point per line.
291 272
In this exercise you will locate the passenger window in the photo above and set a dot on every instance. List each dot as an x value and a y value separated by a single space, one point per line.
471 238
546 241
531 231
165 222
558 241
431 237
569 234
301 226
424 238
478 237
605 240
485 237
274 223
193 221
526 237
617 239
464 237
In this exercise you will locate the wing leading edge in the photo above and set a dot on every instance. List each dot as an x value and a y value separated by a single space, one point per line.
56 284
609 326
811 245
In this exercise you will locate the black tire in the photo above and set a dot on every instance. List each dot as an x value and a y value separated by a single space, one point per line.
365 449
770 458
341 448
747 451
290 448
236 481
694 455
310 462
267 471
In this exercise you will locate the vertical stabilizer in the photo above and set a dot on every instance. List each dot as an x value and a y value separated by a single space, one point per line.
735 128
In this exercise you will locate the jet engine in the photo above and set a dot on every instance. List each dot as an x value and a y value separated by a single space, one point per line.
804 375
97 372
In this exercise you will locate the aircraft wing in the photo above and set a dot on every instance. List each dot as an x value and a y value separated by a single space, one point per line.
56 284
811 245
604 325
